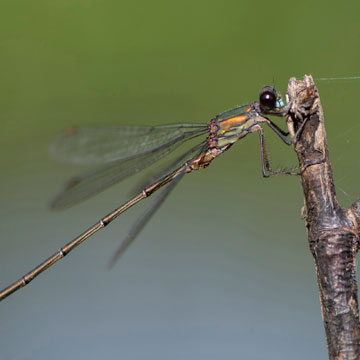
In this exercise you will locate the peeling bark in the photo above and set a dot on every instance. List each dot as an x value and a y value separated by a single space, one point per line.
333 232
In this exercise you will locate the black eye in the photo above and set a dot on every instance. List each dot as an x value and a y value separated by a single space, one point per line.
268 98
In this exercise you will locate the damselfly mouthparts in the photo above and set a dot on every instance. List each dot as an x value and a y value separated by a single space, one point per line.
125 150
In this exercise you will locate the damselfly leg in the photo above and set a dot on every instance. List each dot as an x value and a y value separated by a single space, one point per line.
123 151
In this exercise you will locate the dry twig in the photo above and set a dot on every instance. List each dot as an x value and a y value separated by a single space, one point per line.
333 232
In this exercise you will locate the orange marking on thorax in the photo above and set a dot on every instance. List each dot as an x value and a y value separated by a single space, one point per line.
232 122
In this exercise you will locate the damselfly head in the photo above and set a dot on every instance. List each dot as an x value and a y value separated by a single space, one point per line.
269 99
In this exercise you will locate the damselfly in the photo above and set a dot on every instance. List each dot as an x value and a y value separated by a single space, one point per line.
125 150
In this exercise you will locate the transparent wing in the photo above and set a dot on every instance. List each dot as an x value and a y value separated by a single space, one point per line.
90 183
146 216
143 220
106 144
159 173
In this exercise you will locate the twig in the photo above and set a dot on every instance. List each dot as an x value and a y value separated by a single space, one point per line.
333 232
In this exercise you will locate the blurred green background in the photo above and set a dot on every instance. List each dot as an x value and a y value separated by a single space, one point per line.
223 270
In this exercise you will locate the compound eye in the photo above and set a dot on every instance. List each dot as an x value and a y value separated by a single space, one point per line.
268 98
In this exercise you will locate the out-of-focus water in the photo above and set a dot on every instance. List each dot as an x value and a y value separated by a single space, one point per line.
223 270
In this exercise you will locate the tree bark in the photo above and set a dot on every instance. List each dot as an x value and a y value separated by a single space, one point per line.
333 232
